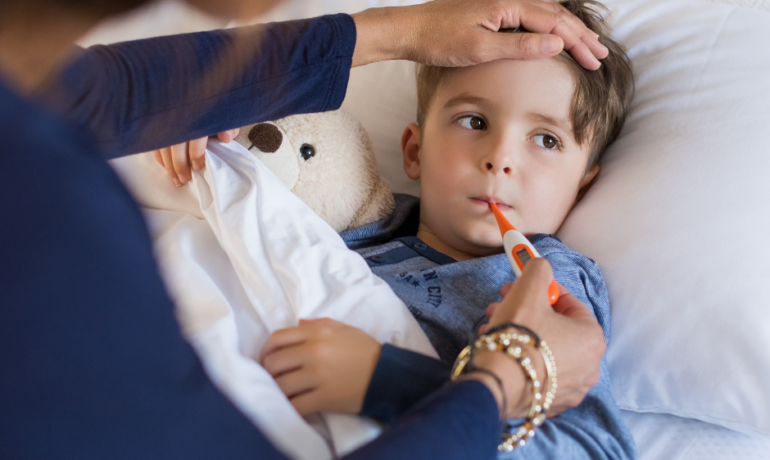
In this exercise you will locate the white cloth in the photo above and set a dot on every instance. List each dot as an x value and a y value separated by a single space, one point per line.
258 261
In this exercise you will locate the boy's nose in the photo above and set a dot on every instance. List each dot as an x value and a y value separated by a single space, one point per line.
505 169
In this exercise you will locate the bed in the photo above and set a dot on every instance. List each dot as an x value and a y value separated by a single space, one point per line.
677 220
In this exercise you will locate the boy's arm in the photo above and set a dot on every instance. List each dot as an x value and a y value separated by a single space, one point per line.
323 365
142 95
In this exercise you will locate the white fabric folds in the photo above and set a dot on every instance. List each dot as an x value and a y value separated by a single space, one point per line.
253 259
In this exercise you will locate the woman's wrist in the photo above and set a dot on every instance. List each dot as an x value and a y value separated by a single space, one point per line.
383 34
518 393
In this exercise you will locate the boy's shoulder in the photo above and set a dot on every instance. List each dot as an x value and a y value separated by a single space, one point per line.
579 274
576 272
403 221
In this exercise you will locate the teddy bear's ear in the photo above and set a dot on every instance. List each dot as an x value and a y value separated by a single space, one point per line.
378 206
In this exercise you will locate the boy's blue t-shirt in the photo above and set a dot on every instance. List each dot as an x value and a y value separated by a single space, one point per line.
449 299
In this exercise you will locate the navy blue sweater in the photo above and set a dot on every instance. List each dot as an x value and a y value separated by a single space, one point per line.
92 362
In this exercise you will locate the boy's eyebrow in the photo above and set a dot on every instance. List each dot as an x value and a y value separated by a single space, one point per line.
465 99
563 123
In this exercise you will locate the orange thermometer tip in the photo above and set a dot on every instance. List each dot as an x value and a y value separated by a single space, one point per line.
502 222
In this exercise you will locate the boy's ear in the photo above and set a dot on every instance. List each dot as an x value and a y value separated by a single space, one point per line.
410 146
585 183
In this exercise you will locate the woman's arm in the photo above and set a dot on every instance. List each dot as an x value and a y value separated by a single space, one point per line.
146 94
401 379
457 422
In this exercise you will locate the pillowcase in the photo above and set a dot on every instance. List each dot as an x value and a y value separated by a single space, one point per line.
676 218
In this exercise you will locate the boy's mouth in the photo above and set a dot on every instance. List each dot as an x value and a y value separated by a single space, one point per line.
485 200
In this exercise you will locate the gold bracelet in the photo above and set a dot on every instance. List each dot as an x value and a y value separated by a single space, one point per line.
511 344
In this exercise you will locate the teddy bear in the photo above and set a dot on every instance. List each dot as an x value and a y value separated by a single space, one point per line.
327 160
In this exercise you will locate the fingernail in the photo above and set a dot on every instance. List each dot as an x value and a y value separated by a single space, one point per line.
176 182
552 44
196 165
183 178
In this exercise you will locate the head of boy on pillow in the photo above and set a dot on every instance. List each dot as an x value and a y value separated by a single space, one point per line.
526 135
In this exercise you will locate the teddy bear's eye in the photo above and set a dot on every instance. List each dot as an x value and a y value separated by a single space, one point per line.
307 151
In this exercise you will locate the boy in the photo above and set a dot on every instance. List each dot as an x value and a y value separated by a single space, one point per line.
526 135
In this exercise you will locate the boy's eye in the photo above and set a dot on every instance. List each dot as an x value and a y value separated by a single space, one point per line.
546 141
471 122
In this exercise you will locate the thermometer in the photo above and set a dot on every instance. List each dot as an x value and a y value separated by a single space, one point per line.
519 250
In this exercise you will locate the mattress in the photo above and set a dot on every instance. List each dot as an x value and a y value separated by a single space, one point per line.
668 437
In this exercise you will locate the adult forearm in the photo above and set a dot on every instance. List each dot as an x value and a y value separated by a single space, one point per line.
141 95
458 422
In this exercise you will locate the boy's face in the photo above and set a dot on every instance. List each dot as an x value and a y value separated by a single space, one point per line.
497 132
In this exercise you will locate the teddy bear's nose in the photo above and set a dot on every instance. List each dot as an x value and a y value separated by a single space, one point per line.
265 137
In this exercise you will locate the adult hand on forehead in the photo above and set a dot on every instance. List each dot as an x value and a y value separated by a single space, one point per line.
456 33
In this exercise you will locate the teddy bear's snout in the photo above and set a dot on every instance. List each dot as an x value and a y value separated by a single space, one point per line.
266 137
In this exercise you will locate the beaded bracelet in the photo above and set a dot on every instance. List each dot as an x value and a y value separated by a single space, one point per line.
540 404
512 325
545 351
509 344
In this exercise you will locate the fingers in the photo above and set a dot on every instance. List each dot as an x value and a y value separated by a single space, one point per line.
528 292
180 160
532 285
551 18
297 382
568 305
227 136
197 153
281 339
307 403
284 360
166 155
180 163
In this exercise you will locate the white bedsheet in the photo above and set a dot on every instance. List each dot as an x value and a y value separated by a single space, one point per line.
242 257
668 437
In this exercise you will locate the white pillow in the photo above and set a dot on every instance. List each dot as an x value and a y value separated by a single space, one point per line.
678 219
675 219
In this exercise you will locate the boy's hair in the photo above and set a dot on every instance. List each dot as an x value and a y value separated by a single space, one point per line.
601 98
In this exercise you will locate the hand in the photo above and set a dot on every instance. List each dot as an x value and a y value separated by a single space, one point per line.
322 365
569 329
457 33
178 159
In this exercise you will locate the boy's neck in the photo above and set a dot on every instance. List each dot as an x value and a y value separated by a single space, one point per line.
430 238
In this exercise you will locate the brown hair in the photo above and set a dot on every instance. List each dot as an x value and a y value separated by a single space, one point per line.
601 98
93 8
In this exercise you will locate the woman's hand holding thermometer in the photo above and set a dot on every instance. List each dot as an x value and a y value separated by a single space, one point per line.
519 250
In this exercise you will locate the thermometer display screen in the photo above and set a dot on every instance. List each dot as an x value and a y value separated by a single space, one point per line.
523 256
